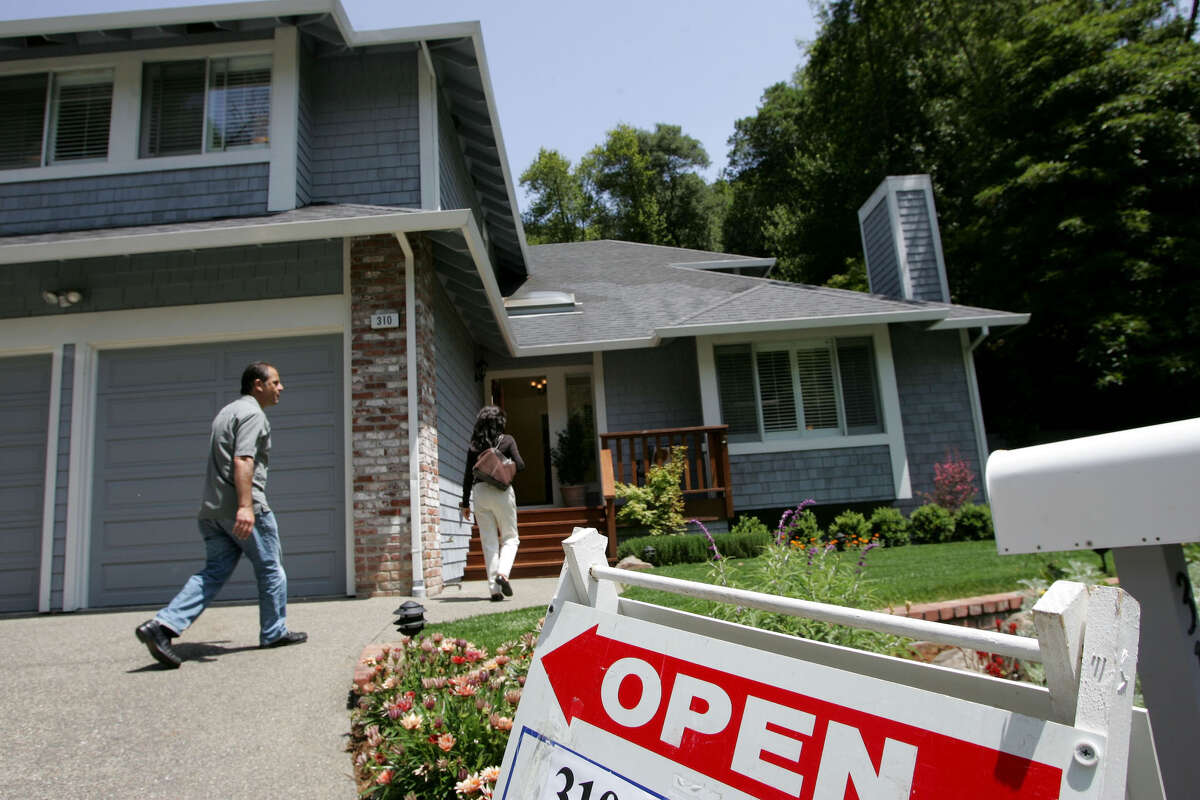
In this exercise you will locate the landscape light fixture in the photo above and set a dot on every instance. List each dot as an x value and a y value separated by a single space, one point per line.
410 618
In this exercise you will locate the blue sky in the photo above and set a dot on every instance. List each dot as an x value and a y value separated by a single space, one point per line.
566 72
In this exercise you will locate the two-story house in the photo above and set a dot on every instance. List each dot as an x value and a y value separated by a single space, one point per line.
184 190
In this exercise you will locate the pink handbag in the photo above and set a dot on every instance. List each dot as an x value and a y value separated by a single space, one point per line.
494 468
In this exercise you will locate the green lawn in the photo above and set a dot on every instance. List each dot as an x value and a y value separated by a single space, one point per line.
913 574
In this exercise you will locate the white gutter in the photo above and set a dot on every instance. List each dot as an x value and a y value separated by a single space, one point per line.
983 334
999 319
414 425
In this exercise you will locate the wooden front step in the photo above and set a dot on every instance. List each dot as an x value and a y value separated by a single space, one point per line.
542 532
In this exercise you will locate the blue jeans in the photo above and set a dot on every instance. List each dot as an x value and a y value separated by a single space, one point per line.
222 550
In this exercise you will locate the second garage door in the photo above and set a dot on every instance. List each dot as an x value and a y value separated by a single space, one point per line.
154 408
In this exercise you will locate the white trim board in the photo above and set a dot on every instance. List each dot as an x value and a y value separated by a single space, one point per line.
50 481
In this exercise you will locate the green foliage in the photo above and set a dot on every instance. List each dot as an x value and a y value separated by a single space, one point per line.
890 526
436 712
749 525
849 528
638 186
693 549
973 521
658 504
798 524
814 572
573 452
930 523
1061 135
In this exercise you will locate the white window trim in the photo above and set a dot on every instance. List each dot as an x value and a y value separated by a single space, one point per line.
124 130
889 399
95 332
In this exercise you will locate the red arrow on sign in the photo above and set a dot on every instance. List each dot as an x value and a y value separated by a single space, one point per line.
770 742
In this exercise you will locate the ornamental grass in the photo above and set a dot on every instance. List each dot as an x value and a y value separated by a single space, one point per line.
433 719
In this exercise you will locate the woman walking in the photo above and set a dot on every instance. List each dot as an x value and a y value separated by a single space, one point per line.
495 509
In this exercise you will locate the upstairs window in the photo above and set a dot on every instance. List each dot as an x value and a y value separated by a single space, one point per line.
205 106
812 388
55 117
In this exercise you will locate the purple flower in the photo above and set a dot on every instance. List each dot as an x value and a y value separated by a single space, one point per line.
712 545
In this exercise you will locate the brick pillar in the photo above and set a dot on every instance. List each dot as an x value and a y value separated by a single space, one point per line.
379 410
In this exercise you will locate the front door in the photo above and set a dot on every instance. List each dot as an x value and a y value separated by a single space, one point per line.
538 405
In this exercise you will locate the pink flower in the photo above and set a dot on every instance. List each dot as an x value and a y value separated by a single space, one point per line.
513 696
411 721
446 742
374 737
468 785
489 774
464 690
384 778
501 723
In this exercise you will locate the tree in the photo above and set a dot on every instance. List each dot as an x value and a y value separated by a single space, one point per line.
1063 143
639 185
560 210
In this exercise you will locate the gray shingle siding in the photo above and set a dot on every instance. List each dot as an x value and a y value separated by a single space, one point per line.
458 400
219 275
935 404
882 267
919 246
304 129
62 482
141 198
843 475
456 188
365 137
657 387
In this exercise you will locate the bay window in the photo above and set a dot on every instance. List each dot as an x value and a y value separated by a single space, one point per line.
798 389
55 117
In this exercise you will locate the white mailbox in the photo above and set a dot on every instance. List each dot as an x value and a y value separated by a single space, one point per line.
1137 492
1124 489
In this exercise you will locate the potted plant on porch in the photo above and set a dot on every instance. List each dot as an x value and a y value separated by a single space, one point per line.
572 455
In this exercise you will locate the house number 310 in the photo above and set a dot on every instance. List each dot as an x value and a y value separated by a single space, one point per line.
585 788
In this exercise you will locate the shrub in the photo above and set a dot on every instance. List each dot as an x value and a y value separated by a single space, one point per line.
848 528
930 523
658 505
749 525
890 526
435 716
798 524
973 522
691 549
953 483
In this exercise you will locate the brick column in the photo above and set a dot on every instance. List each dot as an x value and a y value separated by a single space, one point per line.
379 410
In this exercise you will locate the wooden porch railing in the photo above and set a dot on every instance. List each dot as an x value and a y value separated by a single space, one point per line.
627 456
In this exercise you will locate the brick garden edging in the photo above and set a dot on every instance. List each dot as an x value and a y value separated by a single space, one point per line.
973 612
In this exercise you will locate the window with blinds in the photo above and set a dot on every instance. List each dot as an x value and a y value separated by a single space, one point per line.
82 105
239 102
76 127
805 389
205 106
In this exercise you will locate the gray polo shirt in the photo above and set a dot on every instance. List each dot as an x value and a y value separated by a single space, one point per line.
239 429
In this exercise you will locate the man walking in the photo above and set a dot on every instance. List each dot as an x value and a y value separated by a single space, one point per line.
234 519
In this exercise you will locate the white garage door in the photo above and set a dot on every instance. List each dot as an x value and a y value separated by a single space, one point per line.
154 408
24 408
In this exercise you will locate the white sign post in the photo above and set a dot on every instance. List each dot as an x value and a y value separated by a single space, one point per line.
1137 492
627 701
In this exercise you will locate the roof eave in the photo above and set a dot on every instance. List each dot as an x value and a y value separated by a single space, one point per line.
1001 320
796 323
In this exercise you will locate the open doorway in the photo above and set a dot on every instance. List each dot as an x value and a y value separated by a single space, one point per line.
524 402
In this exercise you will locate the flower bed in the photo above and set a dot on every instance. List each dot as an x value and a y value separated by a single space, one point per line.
433 716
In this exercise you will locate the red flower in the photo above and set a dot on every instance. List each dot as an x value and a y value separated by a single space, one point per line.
458 659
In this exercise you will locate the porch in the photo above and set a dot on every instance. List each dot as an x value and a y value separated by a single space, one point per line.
624 457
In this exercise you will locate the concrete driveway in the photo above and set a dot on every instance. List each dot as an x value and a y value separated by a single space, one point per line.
86 712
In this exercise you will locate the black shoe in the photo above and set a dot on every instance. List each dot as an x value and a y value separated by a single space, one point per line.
152 634
504 585
497 597
291 637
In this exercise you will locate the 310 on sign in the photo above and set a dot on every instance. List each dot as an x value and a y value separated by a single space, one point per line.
385 319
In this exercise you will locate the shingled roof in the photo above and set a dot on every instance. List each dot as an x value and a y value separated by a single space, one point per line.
634 295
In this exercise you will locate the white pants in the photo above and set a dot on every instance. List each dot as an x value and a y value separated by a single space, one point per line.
496 513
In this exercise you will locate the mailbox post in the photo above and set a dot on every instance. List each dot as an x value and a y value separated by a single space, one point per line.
1137 492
